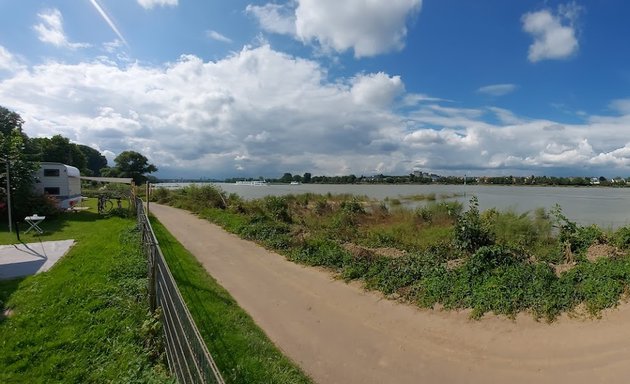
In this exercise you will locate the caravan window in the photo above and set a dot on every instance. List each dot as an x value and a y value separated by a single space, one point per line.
52 190
51 172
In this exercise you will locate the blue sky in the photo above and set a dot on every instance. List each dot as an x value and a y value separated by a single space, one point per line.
258 88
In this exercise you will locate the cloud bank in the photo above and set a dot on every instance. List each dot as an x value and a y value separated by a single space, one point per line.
260 112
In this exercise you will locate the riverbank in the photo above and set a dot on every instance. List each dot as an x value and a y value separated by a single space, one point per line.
437 255
339 333
606 207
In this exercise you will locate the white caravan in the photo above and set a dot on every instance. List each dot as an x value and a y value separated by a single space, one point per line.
63 182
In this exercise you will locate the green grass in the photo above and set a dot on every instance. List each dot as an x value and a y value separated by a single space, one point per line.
85 320
241 350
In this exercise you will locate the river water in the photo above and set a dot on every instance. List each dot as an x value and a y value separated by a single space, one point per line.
606 207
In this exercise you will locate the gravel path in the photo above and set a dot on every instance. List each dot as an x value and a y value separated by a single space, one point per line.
338 333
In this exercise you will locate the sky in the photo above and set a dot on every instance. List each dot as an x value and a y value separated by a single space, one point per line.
232 88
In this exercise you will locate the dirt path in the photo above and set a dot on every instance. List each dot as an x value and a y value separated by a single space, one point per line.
339 333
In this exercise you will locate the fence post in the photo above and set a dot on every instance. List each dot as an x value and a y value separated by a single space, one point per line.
152 279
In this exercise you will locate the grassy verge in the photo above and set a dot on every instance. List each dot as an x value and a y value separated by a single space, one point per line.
241 350
86 319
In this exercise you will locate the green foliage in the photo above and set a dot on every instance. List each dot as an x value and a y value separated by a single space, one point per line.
578 237
400 272
95 161
43 205
277 208
197 198
161 196
443 212
272 233
352 206
488 262
134 165
14 152
518 229
488 258
321 252
59 149
471 232
621 238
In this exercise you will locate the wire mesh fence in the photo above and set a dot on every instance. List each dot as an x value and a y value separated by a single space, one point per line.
187 354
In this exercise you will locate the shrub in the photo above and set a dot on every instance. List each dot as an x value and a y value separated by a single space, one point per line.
621 238
320 252
352 206
579 238
277 208
43 205
471 232
161 196
401 272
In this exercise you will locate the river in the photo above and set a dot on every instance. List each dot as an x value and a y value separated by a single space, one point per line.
606 207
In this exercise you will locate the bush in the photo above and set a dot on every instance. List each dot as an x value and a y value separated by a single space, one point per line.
161 196
471 232
320 252
621 238
579 238
277 208
43 205
352 206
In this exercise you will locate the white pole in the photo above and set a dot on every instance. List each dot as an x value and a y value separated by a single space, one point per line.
9 195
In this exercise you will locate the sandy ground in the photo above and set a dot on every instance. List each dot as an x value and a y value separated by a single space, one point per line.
338 333
17 260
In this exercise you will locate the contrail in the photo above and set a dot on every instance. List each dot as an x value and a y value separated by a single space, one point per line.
108 21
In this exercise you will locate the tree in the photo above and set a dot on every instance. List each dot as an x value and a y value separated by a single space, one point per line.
286 178
95 161
306 178
12 149
59 149
133 164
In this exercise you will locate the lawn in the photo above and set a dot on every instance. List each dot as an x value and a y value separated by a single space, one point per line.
241 350
87 319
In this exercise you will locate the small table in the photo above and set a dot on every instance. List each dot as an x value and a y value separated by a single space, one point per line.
34 222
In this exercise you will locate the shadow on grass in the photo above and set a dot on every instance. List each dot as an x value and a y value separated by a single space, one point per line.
58 223
7 287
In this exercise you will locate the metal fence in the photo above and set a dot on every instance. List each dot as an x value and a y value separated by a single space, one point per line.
187 354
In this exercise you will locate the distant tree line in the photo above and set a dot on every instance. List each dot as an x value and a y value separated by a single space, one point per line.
425 178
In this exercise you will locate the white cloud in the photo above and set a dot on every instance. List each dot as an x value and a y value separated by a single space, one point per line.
497 89
149 4
263 112
506 116
274 18
554 34
368 28
50 30
376 90
8 61
621 106
214 35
